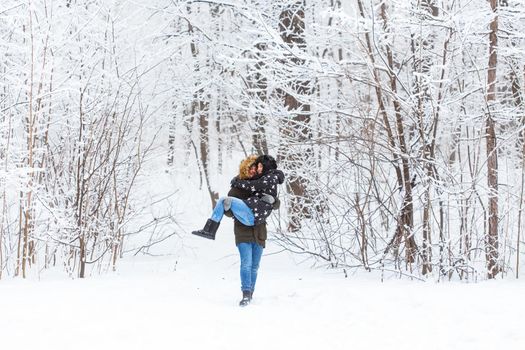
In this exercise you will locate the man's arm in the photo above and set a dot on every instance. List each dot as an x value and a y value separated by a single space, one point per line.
257 185
239 193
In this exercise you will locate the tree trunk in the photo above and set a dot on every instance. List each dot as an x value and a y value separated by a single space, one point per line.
491 241
260 144
171 141
406 222
295 128
200 107
522 122
27 204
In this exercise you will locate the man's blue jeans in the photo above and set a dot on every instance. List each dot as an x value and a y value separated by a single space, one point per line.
251 254
240 210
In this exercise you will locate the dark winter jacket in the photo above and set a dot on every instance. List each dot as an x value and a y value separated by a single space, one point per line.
266 184
248 234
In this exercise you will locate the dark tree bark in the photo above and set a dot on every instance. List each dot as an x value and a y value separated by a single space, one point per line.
491 241
260 143
295 128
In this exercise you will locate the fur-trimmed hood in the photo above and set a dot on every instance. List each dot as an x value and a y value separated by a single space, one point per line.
244 167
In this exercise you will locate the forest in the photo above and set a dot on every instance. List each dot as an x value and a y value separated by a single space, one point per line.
400 126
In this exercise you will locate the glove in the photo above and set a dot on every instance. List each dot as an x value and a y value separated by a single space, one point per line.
268 199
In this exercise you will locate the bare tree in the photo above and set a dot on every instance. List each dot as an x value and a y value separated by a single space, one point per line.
492 155
295 127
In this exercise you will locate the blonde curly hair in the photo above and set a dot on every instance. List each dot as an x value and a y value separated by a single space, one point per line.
244 167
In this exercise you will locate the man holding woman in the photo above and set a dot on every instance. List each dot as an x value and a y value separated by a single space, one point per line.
250 201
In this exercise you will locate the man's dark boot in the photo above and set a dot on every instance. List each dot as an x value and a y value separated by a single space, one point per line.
246 298
209 230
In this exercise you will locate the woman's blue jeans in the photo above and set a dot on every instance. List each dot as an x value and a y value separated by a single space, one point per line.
240 210
251 254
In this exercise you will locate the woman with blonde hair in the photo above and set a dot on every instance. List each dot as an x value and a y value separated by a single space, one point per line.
256 187
239 209
247 168
255 209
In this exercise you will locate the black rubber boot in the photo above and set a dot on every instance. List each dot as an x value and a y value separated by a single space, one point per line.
209 230
246 298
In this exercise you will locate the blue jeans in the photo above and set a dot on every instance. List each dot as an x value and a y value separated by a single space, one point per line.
251 254
240 210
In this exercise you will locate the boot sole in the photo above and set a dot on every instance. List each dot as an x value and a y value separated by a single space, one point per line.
203 235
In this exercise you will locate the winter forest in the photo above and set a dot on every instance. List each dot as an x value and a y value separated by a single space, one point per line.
400 126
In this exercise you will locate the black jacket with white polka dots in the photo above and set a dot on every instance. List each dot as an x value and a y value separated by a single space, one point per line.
266 184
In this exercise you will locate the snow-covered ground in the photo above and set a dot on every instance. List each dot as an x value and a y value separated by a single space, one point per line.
190 301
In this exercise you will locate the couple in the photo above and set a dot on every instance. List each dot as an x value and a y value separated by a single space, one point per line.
250 201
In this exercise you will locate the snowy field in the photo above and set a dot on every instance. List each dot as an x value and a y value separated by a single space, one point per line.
191 302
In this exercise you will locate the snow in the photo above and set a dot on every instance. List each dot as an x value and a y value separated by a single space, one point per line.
188 297
190 301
